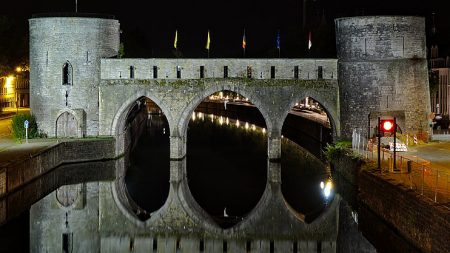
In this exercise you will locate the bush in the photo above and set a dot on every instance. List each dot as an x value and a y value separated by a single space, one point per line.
333 152
18 129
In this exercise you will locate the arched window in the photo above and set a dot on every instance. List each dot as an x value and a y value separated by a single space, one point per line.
67 72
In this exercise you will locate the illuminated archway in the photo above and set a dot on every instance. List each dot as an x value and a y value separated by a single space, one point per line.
306 131
147 164
227 156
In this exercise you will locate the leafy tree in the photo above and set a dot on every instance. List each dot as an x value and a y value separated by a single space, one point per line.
18 129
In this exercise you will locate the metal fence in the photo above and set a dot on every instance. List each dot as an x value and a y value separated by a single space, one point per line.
413 172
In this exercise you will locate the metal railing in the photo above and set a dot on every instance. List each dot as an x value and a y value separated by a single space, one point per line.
413 172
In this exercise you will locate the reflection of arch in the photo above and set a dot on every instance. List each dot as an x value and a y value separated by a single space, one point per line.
67 73
70 123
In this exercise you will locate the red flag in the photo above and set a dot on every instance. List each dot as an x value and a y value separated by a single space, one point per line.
244 42
309 41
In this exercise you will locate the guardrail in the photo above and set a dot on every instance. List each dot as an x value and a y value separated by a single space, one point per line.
413 172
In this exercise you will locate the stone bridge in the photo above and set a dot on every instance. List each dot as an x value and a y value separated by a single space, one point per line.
79 88
178 97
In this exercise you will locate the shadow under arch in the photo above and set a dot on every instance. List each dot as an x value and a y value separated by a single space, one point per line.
302 166
226 164
143 178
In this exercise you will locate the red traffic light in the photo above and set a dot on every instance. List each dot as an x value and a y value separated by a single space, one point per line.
387 126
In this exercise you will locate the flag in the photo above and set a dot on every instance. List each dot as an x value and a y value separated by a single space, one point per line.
244 42
309 41
278 39
176 39
208 40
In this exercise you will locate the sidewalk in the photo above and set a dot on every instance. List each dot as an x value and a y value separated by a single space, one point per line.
11 150
430 170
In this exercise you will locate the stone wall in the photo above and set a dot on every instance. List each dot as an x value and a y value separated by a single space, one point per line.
17 174
81 42
422 222
383 72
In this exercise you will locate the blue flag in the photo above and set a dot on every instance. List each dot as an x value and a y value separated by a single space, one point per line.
278 39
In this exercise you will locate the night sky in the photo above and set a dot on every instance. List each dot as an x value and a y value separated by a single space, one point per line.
149 31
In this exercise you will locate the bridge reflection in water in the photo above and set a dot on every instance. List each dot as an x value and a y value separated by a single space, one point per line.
240 185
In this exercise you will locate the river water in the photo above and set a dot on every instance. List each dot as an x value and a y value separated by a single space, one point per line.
226 169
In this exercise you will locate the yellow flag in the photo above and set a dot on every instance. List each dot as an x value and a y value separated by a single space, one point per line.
208 40
176 39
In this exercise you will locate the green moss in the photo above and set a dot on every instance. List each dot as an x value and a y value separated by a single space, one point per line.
179 83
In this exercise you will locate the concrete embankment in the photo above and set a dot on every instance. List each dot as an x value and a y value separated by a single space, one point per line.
20 171
393 217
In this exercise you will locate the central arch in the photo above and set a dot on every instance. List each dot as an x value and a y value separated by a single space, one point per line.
226 156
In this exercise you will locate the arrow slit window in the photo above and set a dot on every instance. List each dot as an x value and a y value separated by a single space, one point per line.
67 73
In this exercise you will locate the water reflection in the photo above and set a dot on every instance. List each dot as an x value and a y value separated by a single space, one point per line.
15 234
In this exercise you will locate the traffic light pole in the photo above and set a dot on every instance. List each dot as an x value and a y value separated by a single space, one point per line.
395 143
379 140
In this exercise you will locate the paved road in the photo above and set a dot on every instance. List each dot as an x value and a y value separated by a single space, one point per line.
4 127
438 152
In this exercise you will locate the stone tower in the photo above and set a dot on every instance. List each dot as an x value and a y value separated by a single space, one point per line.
382 72
65 53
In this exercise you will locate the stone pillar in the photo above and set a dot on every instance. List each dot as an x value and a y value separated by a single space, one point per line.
274 147
274 172
177 170
177 147
274 155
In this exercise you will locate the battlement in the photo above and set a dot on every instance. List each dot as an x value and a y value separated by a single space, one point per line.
306 69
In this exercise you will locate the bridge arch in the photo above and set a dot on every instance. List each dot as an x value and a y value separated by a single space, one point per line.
231 177
143 167
119 121
330 109
305 172
225 86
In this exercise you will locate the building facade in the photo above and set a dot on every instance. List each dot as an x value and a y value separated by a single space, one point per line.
14 91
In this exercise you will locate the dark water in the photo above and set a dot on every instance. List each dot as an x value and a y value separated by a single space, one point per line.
147 178
226 167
